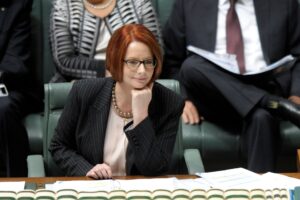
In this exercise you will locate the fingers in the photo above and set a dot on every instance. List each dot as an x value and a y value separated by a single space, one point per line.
92 174
295 99
190 114
189 118
100 171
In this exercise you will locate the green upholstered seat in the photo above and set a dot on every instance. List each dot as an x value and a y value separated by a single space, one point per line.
163 9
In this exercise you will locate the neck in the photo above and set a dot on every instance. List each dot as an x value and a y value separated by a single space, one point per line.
123 96
96 1
99 5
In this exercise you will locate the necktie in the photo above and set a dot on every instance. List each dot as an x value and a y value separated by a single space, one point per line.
234 36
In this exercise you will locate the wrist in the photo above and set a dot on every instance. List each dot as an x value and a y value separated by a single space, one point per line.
139 118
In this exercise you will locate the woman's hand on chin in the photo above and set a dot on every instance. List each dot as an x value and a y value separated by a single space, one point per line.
140 103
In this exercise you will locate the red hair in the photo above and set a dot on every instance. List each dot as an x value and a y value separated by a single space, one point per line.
119 42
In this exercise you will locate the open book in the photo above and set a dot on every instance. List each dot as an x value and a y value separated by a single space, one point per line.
159 194
229 62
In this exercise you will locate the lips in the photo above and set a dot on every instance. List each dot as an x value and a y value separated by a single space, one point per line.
141 79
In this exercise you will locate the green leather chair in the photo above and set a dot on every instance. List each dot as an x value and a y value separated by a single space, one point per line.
163 9
55 98
33 122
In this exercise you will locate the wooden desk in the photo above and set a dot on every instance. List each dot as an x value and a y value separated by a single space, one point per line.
41 181
293 175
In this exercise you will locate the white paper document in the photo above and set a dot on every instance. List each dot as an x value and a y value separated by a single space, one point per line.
231 178
278 180
245 179
191 184
229 62
106 185
150 184
12 186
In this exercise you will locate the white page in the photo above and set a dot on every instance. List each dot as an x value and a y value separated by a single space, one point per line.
191 184
274 65
150 184
12 186
232 178
106 185
273 180
225 61
229 62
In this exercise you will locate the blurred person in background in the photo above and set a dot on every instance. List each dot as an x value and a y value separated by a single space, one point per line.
19 93
258 33
80 31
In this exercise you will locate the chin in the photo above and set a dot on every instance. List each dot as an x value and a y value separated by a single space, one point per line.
138 86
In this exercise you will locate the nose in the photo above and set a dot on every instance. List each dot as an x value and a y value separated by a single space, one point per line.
141 68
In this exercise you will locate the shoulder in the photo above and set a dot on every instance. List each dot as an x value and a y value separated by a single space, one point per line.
67 5
166 98
138 4
17 4
23 3
89 88
15 12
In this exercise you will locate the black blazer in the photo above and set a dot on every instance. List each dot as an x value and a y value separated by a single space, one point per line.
15 29
194 22
78 142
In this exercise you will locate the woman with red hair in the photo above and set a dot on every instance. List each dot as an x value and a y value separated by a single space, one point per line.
112 126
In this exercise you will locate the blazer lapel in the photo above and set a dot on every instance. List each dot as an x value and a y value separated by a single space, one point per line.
98 113
262 15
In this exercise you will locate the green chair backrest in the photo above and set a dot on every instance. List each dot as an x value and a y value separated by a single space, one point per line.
55 98
163 9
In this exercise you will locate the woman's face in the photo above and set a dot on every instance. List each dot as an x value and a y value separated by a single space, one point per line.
138 66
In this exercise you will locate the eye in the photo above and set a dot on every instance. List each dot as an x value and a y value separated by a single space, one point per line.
133 62
148 62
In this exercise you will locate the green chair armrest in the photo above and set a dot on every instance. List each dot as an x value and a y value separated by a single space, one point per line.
193 161
35 164
34 127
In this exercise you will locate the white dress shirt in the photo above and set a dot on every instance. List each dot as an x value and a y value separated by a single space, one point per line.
115 144
254 59
103 40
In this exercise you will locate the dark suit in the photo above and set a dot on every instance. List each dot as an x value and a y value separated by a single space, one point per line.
24 94
78 142
224 98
